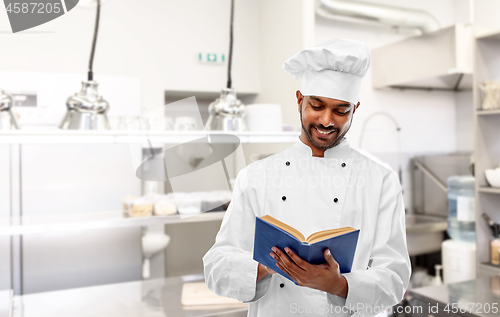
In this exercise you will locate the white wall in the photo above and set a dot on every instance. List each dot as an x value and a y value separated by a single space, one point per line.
464 123
486 13
283 31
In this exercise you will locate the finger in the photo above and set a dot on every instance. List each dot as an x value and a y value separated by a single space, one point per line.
276 257
295 258
290 273
330 260
285 261
289 267
283 258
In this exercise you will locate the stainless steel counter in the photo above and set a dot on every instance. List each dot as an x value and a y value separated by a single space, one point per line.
151 298
424 233
476 298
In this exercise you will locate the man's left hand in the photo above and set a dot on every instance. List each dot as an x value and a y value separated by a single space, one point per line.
324 277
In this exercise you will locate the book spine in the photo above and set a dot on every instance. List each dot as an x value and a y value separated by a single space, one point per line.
308 248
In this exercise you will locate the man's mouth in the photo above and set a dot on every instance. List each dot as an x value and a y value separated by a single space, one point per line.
324 132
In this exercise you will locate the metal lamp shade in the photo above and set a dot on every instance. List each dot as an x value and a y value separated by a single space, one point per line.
227 113
7 119
86 110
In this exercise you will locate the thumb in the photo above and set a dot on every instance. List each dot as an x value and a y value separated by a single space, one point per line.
329 258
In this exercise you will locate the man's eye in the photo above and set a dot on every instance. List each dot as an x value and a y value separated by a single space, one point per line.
340 113
315 107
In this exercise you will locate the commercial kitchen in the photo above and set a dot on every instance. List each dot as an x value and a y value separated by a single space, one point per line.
124 126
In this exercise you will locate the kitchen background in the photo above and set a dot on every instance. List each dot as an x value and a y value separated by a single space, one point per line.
148 56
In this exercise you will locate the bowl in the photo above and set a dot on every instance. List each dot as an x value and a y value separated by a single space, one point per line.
493 177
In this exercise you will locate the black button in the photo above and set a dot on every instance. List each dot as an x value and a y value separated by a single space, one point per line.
287 163
343 165
335 199
282 285
283 198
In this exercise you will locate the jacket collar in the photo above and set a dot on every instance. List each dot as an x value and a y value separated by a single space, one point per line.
338 151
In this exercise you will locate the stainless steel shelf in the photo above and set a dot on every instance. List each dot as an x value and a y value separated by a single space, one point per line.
491 190
487 112
488 35
93 220
489 269
100 137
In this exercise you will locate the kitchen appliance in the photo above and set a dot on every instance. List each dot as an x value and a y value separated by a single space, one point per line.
459 261
427 221
374 14
429 177
7 119
411 64
461 208
227 113
86 109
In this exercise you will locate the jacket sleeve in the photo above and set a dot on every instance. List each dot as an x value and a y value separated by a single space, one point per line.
383 284
230 270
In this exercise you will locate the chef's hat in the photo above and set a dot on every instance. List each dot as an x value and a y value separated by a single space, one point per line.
333 69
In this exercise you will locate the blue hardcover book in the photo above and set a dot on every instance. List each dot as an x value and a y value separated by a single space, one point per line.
270 232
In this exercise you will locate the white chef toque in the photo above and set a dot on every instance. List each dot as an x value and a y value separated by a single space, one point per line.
333 69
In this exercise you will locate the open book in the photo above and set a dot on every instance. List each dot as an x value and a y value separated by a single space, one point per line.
270 232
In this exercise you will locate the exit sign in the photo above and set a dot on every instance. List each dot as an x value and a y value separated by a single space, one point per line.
212 58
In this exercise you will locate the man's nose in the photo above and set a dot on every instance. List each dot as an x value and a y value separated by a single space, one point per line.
326 118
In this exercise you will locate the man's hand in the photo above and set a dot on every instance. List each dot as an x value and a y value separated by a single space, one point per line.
324 277
263 271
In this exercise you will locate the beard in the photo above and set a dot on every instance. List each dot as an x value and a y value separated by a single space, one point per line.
323 145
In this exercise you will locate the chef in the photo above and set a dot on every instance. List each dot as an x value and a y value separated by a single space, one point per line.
317 184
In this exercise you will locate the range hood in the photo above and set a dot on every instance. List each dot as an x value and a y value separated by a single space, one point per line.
440 60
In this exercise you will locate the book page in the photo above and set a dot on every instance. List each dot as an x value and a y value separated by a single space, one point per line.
294 232
327 234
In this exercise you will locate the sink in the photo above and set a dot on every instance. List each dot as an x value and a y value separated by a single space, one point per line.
424 233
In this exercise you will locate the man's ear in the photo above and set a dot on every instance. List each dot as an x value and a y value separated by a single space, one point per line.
299 96
356 107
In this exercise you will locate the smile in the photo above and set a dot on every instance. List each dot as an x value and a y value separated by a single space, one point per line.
324 132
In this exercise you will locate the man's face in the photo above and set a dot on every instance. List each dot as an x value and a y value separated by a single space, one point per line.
325 121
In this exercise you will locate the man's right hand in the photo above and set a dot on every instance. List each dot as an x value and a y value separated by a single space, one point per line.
263 271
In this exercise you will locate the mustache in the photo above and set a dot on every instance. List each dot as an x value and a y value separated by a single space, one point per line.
322 127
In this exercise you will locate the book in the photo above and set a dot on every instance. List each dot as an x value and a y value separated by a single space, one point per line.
270 232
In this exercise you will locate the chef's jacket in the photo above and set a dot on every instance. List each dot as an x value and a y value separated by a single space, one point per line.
343 188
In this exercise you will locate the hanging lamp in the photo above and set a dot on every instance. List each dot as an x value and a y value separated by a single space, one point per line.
227 113
7 119
86 109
